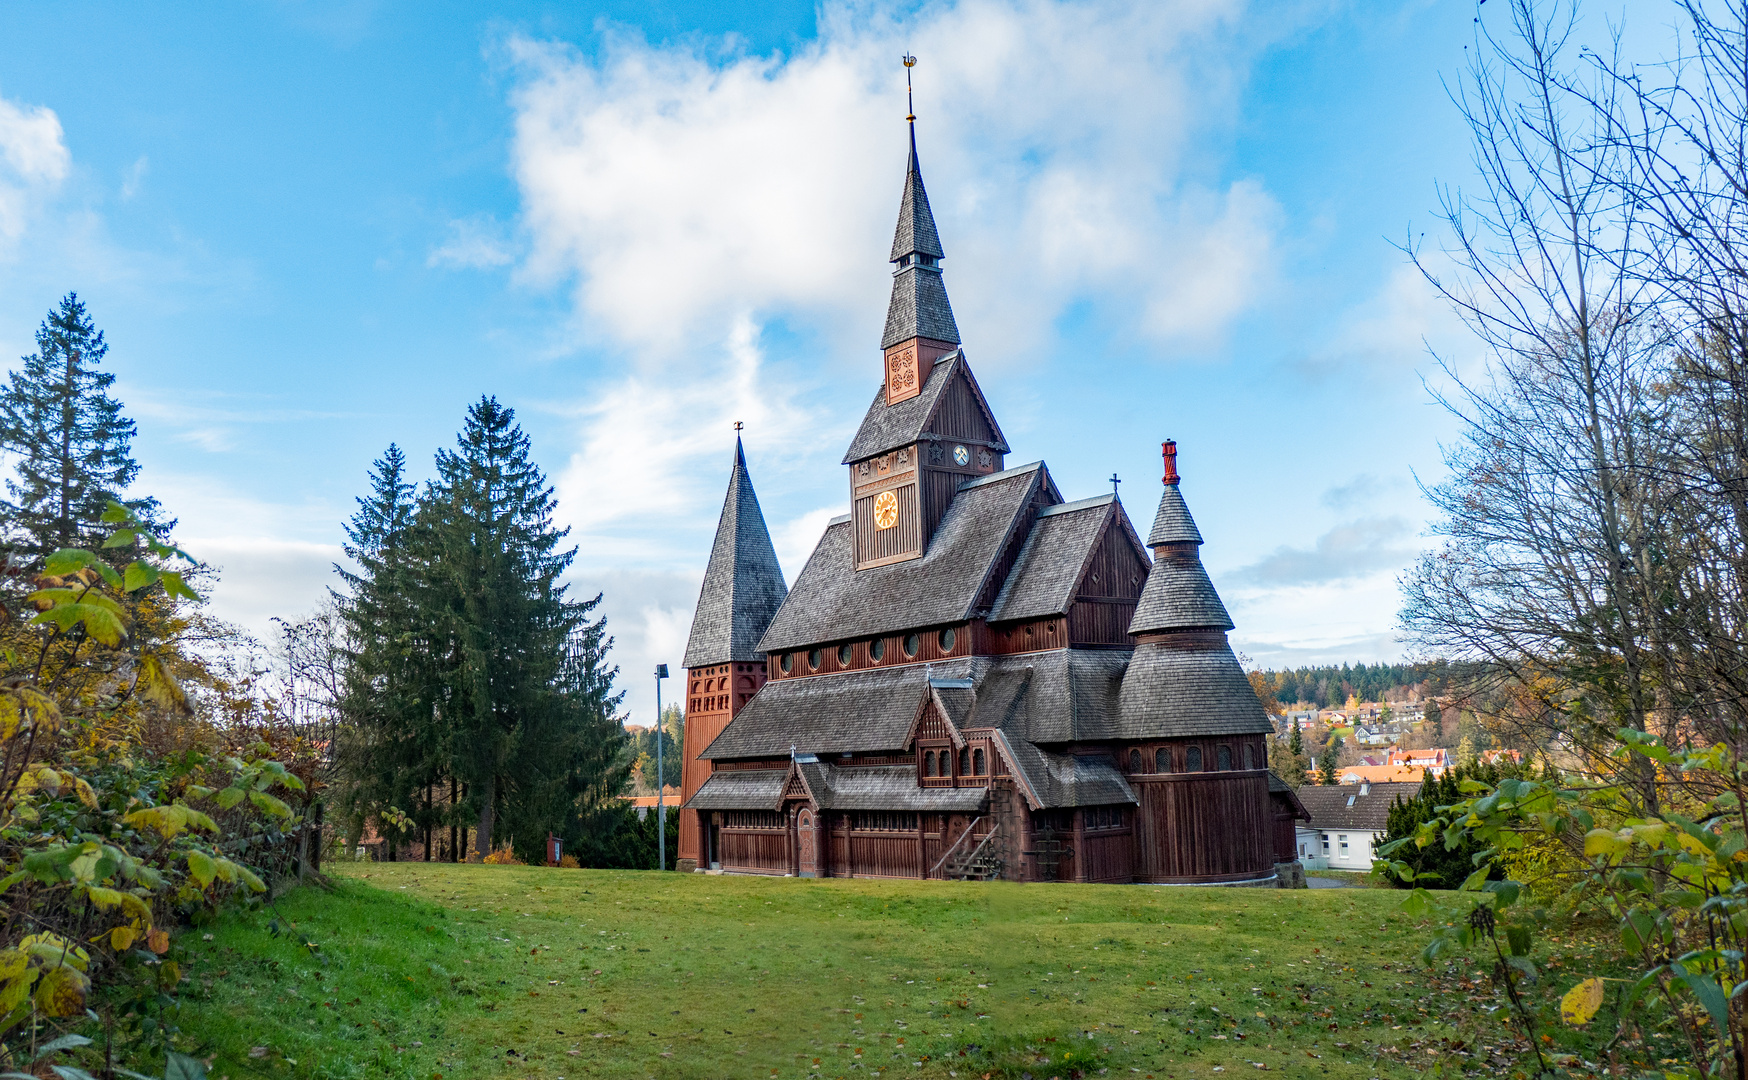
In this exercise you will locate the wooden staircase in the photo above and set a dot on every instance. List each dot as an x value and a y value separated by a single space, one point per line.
981 863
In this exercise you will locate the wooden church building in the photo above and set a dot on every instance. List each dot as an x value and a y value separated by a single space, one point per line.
972 677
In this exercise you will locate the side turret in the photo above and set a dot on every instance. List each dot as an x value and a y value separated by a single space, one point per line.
743 588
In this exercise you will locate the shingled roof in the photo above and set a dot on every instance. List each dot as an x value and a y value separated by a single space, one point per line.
916 234
1178 594
919 305
741 789
1056 554
1177 692
887 427
1172 524
1354 806
850 712
833 601
743 585
884 787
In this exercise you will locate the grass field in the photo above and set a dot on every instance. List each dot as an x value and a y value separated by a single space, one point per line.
439 971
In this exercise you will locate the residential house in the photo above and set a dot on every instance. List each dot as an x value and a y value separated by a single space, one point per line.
1347 823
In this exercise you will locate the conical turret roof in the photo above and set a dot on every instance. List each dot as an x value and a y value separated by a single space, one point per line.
1178 594
743 585
916 233
919 305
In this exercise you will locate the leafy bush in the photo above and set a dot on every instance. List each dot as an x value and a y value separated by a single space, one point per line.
105 842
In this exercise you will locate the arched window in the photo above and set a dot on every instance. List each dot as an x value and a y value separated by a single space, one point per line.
1249 756
928 763
977 763
1134 761
1193 759
1162 759
1224 756
965 761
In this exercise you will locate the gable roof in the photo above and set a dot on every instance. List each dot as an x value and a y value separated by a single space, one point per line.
740 789
887 427
1343 807
1050 566
743 585
833 601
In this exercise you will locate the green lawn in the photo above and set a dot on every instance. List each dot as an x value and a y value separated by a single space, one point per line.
430 970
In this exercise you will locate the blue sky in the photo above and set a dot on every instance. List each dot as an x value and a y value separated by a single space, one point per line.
310 229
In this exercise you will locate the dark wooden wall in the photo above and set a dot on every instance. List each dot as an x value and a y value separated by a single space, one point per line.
1206 826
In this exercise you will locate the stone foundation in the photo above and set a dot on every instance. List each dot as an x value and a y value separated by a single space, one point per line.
685 866
1291 875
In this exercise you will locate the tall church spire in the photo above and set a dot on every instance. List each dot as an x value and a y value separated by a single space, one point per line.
743 586
919 321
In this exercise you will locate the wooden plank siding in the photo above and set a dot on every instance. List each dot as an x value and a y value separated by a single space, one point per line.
1204 826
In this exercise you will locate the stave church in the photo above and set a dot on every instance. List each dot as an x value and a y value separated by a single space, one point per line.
973 677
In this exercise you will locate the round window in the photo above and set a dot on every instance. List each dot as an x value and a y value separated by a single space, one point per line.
911 644
877 649
787 663
814 659
843 656
946 639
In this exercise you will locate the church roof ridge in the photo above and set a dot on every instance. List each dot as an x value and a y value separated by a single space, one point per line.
1005 474
743 583
1078 505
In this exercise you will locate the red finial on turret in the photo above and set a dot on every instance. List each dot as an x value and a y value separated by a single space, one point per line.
1168 449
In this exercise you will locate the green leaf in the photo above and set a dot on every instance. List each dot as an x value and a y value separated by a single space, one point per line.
1518 939
229 797
267 804
182 1067
65 1042
139 575
202 868
116 513
121 538
1522 965
67 560
70 1072
1710 995
175 586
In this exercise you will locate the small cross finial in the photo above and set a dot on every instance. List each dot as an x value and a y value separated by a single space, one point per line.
909 100
1114 483
737 425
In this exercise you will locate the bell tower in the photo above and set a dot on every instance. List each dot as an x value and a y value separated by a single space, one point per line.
919 321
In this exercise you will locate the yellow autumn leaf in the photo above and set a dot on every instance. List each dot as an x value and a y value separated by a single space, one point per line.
16 978
1581 1002
122 937
62 992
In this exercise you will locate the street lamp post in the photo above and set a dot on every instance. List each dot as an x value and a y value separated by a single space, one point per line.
661 673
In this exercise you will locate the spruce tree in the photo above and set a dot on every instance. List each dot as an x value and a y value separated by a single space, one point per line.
72 444
527 708
388 754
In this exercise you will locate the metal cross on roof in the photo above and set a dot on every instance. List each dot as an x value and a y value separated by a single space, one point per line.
737 425
1114 483
909 100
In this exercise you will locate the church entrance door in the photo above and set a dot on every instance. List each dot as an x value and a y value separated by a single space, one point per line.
807 837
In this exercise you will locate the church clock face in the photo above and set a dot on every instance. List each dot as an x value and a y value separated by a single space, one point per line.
885 510
961 456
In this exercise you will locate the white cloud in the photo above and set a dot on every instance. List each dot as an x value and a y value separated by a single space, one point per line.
681 191
34 160
475 243
134 176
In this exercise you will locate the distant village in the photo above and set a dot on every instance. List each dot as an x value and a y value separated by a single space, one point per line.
1358 757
